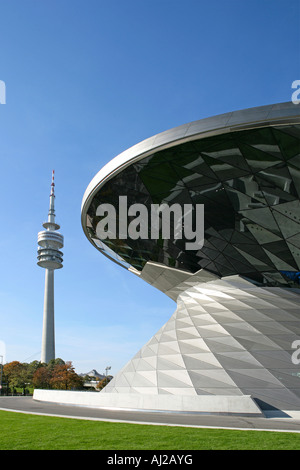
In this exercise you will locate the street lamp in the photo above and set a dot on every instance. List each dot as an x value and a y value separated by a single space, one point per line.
1 371
106 369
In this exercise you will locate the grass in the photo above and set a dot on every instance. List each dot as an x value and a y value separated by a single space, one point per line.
32 432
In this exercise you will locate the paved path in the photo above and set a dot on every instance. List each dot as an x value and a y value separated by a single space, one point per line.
28 405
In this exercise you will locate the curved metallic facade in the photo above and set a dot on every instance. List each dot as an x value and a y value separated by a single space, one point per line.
248 181
244 167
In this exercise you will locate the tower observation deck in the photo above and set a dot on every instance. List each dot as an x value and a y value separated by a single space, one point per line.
49 257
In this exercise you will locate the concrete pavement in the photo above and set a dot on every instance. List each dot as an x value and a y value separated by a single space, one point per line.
28 405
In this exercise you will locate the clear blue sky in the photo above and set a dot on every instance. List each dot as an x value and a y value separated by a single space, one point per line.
86 79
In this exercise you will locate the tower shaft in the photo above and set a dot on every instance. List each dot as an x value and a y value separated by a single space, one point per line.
48 337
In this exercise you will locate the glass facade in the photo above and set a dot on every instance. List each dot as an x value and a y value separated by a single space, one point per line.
249 183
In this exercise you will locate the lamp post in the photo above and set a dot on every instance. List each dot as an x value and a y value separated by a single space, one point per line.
1 371
106 369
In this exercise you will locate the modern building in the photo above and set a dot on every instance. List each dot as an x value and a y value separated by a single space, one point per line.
231 345
50 258
93 374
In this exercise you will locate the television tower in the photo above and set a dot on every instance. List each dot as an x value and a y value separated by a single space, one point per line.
50 258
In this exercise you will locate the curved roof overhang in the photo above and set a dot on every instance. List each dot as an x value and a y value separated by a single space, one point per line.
270 115
282 114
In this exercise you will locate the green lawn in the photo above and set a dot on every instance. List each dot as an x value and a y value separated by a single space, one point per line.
21 431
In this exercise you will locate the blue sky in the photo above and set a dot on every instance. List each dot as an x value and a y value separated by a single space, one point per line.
85 80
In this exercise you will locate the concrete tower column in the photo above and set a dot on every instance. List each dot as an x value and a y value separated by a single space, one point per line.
48 338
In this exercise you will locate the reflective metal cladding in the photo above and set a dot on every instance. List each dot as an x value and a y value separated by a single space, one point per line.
236 325
244 167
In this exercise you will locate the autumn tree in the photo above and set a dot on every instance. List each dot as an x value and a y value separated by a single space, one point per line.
56 374
64 377
41 378
102 383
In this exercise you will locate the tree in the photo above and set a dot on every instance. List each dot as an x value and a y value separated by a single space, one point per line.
41 378
54 362
56 374
19 375
102 383
33 367
13 374
64 377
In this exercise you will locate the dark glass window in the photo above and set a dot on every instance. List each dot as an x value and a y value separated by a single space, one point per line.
249 183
